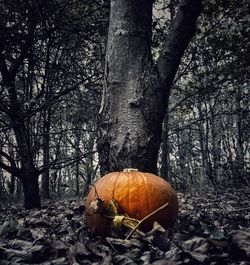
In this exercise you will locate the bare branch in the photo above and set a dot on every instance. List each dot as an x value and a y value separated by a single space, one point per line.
181 32
12 169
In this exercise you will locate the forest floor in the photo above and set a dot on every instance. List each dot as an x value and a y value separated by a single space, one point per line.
212 228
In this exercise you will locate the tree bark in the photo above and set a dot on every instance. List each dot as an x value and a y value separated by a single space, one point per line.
13 108
77 169
216 125
59 183
12 177
204 129
165 156
27 172
1 183
133 100
136 91
31 189
241 177
46 146
1 174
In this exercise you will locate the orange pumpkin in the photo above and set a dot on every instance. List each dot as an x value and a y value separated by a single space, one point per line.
136 194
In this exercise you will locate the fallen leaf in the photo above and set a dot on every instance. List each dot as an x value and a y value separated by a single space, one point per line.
9 226
240 244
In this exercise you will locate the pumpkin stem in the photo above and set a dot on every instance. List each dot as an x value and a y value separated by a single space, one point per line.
145 218
130 169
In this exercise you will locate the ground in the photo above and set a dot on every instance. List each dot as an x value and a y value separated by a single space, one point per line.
213 227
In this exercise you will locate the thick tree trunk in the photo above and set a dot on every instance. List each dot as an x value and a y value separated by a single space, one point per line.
19 120
27 172
133 106
31 189
135 95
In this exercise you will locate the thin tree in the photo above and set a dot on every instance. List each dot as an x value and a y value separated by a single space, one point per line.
39 64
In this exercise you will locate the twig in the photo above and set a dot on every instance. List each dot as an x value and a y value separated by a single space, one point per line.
238 210
112 246
144 219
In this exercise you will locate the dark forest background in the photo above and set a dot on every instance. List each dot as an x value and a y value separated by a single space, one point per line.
52 64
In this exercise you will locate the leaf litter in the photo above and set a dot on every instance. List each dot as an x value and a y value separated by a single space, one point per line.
211 228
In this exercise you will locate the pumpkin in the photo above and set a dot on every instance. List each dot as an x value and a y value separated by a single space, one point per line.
131 193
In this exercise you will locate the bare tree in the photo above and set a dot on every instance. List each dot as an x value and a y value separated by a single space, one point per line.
43 57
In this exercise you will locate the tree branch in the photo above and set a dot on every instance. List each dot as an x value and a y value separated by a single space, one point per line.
33 18
180 34
11 169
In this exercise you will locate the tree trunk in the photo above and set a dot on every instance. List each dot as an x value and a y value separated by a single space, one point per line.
182 157
1 173
18 188
59 183
135 91
216 126
1 182
12 177
27 171
241 176
77 170
90 167
202 140
165 158
31 189
133 99
46 145
18 119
